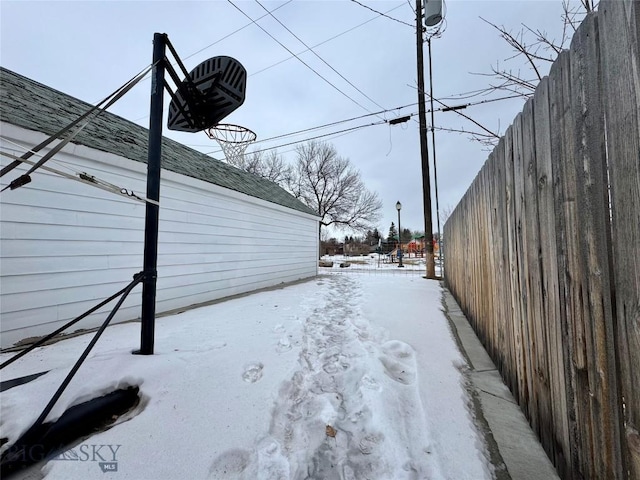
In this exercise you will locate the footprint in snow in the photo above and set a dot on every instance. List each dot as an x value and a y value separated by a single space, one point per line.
279 328
284 345
368 443
367 382
331 368
399 362
252 372
229 464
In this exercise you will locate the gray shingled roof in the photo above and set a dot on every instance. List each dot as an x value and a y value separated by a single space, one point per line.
31 105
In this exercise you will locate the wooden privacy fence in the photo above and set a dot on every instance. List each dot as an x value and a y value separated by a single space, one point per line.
543 252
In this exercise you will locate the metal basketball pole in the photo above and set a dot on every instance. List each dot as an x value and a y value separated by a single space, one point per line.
154 159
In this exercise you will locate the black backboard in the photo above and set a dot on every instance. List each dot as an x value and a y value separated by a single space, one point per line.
214 89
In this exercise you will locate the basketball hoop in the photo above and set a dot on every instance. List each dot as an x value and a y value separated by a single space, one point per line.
233 139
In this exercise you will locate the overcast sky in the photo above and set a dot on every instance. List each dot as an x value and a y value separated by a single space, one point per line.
88 49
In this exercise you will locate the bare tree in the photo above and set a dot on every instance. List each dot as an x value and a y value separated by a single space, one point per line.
329 184
536 47
445 212
270 166
533 50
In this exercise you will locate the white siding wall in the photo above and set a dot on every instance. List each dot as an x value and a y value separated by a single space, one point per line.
66 246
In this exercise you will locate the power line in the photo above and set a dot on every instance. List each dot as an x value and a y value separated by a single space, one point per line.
444 108
299 59
316 54
329 136
215 43
319 127
289 57
382 14
456 109
411 6
350 129
338 122
238 30
323 42
334 123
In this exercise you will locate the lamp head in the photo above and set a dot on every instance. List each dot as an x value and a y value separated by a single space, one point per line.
398 206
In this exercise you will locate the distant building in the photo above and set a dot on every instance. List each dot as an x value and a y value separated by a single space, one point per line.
355 248
66 246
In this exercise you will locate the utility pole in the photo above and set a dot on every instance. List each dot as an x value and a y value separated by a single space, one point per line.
424 150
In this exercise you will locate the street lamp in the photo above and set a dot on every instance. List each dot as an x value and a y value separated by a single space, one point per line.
399 207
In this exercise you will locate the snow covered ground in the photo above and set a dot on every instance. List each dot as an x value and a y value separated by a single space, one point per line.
341 377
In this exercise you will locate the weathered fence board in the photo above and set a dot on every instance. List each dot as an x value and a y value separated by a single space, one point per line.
592 203
559 448
544 252
509 371
574 284
557 91
533 251
619 24
497 336
527 347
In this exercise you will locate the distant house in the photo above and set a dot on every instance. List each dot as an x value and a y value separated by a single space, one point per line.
355 249
331 247
66 246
